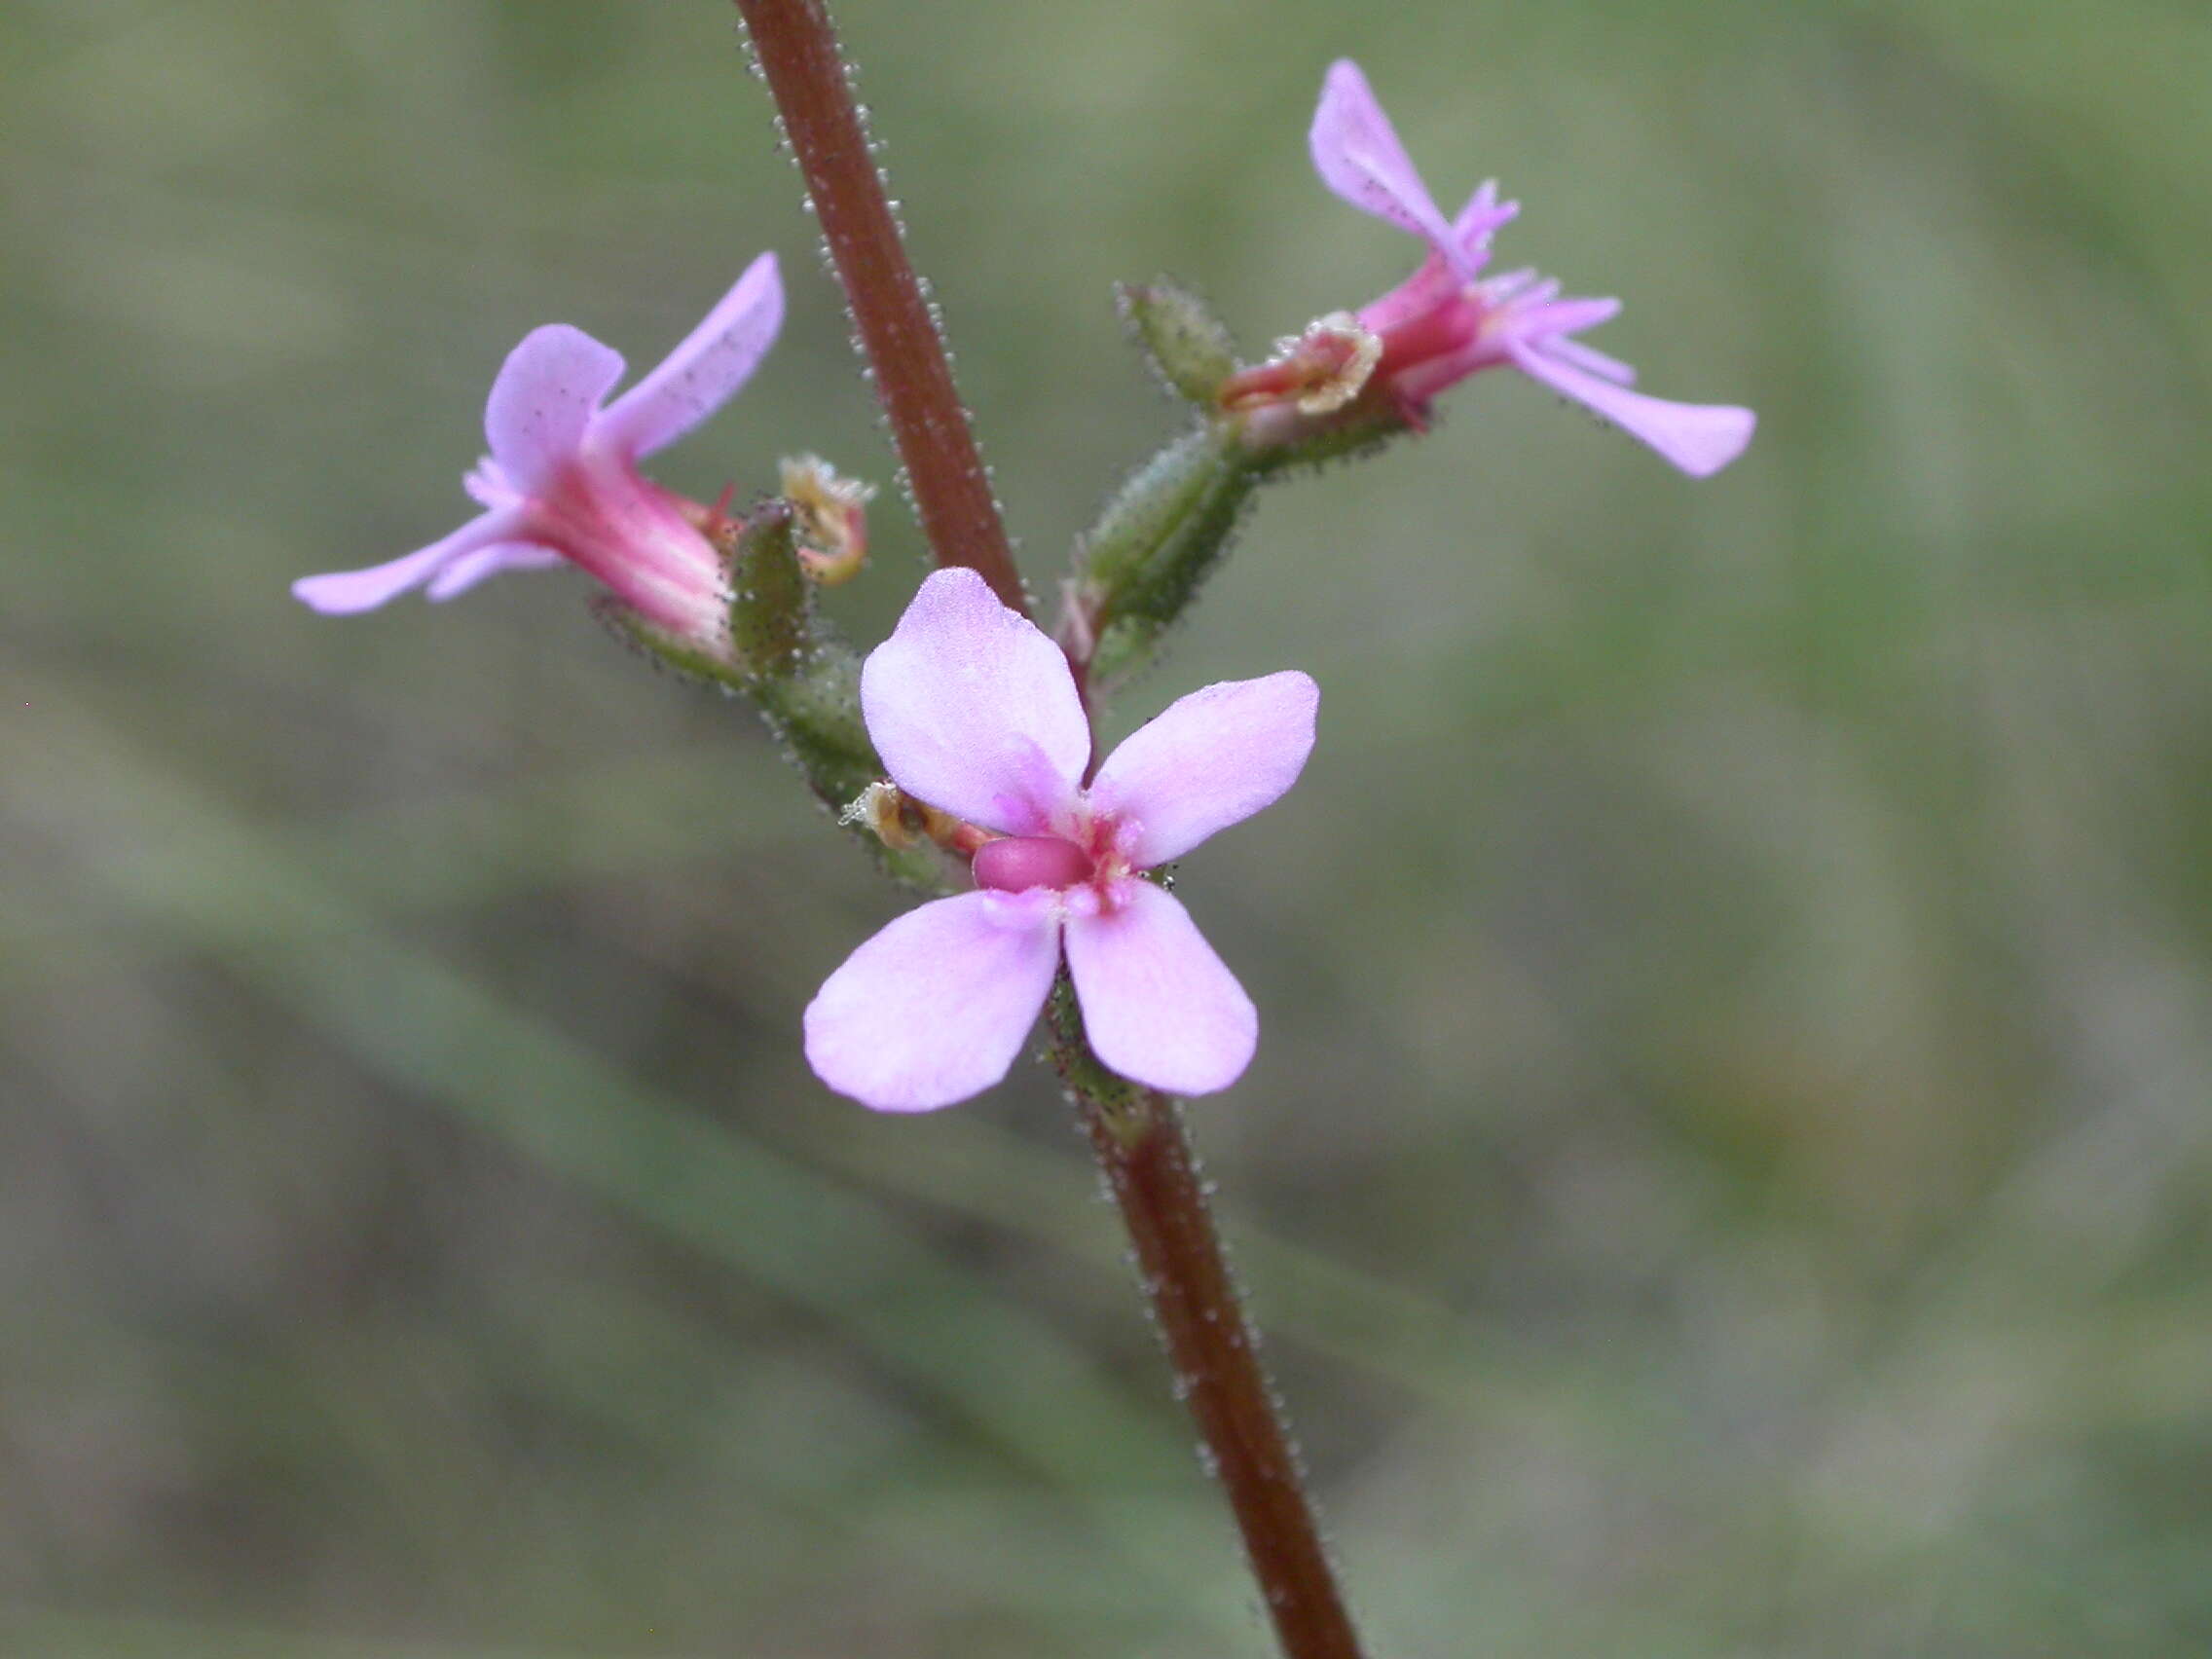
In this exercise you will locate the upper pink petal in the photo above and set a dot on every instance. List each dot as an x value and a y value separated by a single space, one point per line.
341 593
545 395
462 574
973 709
705 371
1157 1005
1357 154
1700 438
935 1008
1208 761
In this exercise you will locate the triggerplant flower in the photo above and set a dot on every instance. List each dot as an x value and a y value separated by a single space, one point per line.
974 711
1447 320
562 480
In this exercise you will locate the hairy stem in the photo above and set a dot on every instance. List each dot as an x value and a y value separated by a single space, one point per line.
797 52
1137 1134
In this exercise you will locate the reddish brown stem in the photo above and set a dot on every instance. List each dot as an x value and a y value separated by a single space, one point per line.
1156 1182
1138 1136
798 54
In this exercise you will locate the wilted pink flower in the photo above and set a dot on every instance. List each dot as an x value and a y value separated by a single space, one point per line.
562 480
974 712
1447 321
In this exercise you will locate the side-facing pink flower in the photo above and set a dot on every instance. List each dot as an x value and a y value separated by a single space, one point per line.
973 711
562 480
1447 320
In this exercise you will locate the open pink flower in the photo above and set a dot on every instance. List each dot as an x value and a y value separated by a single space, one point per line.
562 480
1447 320
974 712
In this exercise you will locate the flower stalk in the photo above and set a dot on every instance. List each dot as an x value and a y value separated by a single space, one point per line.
798 52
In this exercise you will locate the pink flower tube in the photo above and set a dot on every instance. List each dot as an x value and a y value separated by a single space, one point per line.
973 711
562 481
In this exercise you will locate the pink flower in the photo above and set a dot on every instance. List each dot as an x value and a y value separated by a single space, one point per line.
1447 321
562 480
974 712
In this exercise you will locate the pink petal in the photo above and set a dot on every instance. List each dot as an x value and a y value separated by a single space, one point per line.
1483 214
545 395
705 371
974 711
488 486
1358 156
465 572
1157 1003
935 1008
1208 761
1512 284
344 592
1700 438
1589 357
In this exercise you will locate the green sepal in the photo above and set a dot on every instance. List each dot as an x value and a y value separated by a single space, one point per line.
1189 346
806 681
668 650
771 607
1350 435
793 667
1158 541
814 709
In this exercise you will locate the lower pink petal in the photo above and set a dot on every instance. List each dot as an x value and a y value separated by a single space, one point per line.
1599 363
1157 1005
466 572
1700 438
341 593
935 1008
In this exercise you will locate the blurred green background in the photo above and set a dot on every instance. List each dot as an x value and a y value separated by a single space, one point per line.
1725 1170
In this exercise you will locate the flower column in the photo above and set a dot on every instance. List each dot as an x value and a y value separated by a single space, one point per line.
1136 1131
